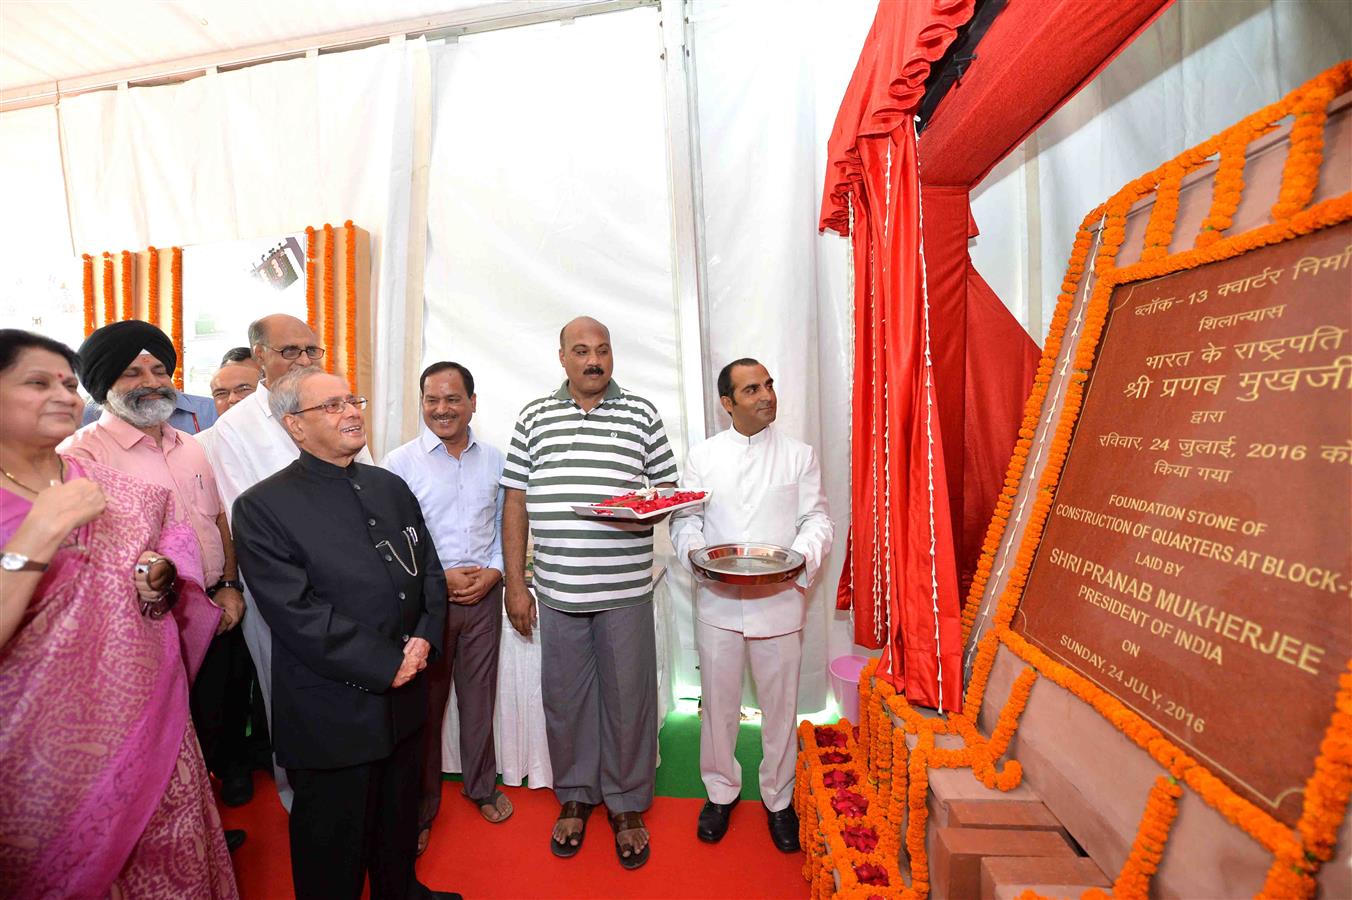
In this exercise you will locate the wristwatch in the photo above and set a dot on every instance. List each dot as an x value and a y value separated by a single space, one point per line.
17 562
225 583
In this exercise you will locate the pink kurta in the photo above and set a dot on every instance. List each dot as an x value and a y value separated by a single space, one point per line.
104 791
179 465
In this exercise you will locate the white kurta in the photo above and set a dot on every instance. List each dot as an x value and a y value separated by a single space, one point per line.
245 446
767 489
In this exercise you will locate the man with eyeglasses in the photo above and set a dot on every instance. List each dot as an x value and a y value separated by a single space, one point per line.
455 476
247 444
236 379
341 565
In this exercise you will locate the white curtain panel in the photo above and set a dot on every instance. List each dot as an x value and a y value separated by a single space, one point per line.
548 199
39 275
770 75
1201 67
254 153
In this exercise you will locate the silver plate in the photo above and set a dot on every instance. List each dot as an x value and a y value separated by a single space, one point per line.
747 563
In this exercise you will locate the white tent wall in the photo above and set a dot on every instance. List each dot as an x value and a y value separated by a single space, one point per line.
39 280
257 152
769 78
1202 66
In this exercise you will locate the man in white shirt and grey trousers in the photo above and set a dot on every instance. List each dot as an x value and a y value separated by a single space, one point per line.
766 488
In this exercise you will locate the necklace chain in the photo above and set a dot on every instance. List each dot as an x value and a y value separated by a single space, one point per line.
60 462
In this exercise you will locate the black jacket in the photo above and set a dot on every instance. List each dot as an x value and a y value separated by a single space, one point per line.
326 552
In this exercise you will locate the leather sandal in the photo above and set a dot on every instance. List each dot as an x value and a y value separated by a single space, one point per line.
630 821
573 809
491 804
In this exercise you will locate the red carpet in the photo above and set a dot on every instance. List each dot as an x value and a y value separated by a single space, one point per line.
512 860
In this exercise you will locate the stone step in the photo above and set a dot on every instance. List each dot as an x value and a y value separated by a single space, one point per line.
956 855
1026 815
1007 877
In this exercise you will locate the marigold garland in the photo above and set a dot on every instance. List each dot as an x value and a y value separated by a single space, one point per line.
330 329
1297 855
90 322
153 288
109 292
311 261
128 299
350 304
176 310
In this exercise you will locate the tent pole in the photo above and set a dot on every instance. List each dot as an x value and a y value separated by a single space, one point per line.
688 276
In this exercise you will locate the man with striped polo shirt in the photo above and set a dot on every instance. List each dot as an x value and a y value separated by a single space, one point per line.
588 441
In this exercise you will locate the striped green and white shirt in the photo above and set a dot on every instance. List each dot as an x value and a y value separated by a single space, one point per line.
561 455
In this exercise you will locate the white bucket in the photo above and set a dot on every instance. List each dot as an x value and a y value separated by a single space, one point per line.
844 671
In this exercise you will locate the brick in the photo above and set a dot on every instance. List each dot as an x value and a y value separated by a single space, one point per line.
1028 815
955 861
1050 891
1009 876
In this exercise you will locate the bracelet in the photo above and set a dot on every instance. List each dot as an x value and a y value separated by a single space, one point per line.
158 607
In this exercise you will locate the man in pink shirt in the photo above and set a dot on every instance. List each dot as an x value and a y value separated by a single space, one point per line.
127 367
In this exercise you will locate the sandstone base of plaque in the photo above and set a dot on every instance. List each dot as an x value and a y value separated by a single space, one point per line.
955 864
1006 878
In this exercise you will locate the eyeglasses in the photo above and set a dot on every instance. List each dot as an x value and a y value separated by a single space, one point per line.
291 351
334 407
241 390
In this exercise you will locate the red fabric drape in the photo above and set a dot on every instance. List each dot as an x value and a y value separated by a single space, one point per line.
1036 56
902 575
936 412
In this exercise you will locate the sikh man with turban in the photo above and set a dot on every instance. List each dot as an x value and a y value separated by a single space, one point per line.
128 368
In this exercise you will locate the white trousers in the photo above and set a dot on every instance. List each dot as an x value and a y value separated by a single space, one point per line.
775 662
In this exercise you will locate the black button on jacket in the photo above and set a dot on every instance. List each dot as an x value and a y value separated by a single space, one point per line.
341 599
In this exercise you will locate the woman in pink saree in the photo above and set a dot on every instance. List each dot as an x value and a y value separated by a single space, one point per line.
103 791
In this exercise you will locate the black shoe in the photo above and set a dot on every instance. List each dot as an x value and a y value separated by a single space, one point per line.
713 820
237 789
784 829
234 838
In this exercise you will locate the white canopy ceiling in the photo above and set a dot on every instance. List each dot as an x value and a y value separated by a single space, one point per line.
43 41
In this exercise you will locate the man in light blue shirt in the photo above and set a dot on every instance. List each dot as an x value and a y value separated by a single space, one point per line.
455 479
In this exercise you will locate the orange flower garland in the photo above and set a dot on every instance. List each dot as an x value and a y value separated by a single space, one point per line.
350 304
311 260
153 288
128 300
1297 856
176 310
109 292
89 320
329 323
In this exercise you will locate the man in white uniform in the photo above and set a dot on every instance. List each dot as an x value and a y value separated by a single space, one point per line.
766 488
246 445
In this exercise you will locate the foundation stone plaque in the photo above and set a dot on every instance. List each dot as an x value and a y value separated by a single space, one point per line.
1197 561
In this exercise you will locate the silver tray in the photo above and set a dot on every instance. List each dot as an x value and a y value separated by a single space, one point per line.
747 563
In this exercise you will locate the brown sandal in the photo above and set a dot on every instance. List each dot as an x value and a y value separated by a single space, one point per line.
630 821
492 804
573 809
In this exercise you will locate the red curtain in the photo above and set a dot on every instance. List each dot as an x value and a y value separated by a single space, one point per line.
941 367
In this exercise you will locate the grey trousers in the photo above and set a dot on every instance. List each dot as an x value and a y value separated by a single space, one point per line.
470 659
599 677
